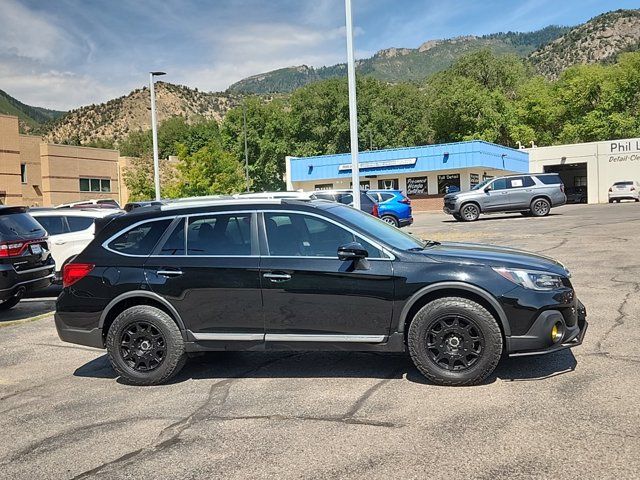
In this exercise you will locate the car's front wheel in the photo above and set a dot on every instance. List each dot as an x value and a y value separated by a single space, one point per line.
470 212
145 346
455 341
540 207
457 216
391 220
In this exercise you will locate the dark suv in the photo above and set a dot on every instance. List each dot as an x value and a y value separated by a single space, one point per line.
25 261
162 282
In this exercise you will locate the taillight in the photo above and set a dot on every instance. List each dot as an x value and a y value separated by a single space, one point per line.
562 187
633 189
375 211
72 272
611 189
405 200
11 249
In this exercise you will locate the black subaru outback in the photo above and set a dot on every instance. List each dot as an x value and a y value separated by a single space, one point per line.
166 281
25 261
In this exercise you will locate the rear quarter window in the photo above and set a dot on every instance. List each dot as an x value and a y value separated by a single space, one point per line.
141 239
550 179
77 224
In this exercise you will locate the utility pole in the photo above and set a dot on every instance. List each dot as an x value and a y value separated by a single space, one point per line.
246 150
154 129
353 112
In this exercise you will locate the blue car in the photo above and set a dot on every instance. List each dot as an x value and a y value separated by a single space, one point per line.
393 207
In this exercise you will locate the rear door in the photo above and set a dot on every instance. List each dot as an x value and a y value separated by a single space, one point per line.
309 294
207 267
520 191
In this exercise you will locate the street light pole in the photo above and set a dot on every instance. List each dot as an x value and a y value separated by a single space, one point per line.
353 113
246 151
154 129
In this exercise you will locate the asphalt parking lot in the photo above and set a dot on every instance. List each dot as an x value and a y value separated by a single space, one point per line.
63 414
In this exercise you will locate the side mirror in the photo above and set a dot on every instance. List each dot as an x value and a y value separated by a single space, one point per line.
487 189
352 251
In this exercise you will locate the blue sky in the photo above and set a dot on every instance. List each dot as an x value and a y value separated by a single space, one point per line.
67 53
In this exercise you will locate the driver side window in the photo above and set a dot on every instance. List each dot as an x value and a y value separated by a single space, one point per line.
298 235
499 184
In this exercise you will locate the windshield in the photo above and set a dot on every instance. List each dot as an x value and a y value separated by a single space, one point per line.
19 225
482 184
377 229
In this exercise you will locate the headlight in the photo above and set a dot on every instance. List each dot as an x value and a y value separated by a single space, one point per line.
532 279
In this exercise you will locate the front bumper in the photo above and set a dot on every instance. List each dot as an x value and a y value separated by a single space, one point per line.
537 340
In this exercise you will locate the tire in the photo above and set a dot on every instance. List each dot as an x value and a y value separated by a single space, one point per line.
469 212
482 337
142 363
11 302
610 200
391 220
526 214
540 207
457 217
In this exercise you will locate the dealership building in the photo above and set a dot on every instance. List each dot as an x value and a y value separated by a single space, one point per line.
424 173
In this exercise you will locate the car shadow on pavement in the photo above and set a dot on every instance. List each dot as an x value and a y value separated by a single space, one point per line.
488 218
28 308
224 365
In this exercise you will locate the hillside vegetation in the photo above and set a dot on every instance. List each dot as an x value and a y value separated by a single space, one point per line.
31 118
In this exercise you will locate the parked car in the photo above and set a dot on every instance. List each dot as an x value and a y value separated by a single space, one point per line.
70 231
627 190
25 261
393 207
133 205
94 203
367 204
576 194
533 194
156 285
271 195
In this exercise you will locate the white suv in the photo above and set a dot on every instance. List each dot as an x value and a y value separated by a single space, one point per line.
628 190
70 230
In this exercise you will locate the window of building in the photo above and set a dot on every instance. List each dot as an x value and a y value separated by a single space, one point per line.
474 179
364 185
580 181
23 172
323 186
388 184
228 234
448 183
95 185
141 239
298 235
417 186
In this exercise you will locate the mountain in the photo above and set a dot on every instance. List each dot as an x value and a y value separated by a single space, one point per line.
114 119
601 39
403 64
31 118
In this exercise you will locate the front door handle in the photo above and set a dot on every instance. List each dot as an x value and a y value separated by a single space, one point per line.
170 273
277 277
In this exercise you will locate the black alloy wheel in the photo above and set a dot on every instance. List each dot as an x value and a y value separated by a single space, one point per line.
454 343
142 346
540 207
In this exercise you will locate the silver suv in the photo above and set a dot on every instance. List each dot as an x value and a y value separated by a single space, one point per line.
532 194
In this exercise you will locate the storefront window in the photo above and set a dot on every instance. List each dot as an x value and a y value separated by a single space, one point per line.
474 179
449 183
417 186
364 185
388 184
323 186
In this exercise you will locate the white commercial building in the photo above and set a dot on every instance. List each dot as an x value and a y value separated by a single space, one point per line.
589 169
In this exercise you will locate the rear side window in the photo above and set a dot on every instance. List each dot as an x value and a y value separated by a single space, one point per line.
519 182
227 234
175 244
54 225
386 196
19 225
140 239
77 224
550 179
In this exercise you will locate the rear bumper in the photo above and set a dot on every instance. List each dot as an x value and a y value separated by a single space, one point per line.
404 222
91 337
624 195
12 282
537 340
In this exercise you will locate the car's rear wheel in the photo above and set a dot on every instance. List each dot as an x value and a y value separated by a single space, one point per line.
11 302
145 346
455 341
470 212
391 220
540 207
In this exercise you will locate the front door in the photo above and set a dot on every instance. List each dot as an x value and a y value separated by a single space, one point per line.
496 196
310 295
208 268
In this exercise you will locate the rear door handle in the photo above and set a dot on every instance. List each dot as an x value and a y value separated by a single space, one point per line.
277 277
170 273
